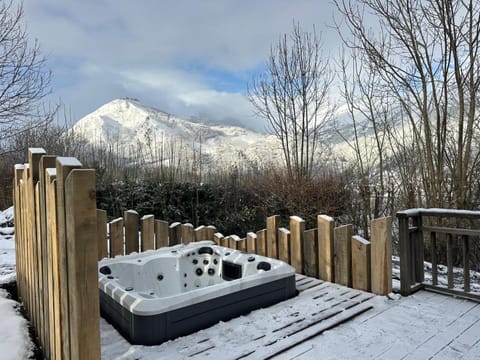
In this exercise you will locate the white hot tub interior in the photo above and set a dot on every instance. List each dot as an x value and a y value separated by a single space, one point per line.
182 268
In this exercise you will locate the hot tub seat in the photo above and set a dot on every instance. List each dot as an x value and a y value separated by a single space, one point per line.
159 295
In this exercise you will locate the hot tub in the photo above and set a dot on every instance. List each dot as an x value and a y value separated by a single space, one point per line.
159 295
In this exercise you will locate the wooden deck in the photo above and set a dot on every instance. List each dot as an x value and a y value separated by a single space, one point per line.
328 321
424 325
265 333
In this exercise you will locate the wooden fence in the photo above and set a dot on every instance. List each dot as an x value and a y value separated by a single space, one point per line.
56 254
326 252
60 235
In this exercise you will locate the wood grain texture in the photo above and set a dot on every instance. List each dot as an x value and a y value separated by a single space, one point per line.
81 229
325 257
116 237
273 223
147 232
102 234
310 249
381 255
297 230
161 233
130 217
361 278
343 254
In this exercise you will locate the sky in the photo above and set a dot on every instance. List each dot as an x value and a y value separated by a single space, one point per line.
188 58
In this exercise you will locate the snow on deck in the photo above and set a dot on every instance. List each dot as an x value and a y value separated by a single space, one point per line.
422 326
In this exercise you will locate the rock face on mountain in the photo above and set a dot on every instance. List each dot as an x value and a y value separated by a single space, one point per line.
133 129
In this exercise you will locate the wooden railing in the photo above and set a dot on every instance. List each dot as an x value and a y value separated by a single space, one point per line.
56 254
418 227
326 252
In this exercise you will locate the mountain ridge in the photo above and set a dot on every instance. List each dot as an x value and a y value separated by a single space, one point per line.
130 124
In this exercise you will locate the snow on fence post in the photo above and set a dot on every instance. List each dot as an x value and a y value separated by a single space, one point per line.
297 228
361 264
131 231
116 237
187 231
147 232
343 254
284 244
200 233
325 248
218 238
102 240
82 264
161 233
273 223
381 255
174 233
252 242
310 249
210 231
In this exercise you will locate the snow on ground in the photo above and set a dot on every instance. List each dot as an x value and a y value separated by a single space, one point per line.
14 338
7 247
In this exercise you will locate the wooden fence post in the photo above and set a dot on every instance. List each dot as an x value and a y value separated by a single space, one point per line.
284 244
19 245
200 233
218 238
81 226
242 244
262 242
161 233
64 166
310 247
187 231
233 241
147 232
116 237
131 231
297 229
53 260
251 242
361 279
46 161
343 255
273 223
102 234
210 232
174 233
381 243
325 248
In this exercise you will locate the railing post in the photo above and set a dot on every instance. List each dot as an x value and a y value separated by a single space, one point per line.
418 250
405 254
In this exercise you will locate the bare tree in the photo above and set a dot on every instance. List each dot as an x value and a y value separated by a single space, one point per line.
24 80
426 53
293 95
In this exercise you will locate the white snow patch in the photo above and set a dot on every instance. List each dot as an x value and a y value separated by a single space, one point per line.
15 342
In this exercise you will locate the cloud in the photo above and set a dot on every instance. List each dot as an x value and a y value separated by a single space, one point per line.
183 56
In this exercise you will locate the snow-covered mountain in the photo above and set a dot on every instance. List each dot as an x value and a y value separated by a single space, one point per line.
133 128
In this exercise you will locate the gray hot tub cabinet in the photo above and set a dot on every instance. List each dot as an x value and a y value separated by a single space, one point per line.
155 329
